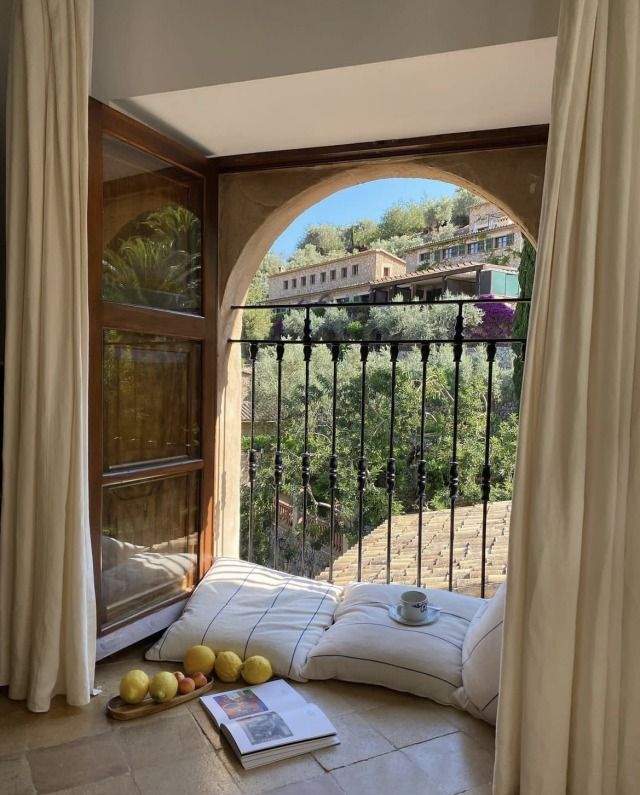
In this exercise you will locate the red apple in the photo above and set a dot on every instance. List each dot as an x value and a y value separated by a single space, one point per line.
200 679
186 685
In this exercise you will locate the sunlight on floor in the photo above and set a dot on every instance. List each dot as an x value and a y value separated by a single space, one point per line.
390 742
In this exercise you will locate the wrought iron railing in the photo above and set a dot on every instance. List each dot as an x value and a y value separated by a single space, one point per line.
457 343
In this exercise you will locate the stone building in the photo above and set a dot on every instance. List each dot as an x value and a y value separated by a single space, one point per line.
342 280
490 236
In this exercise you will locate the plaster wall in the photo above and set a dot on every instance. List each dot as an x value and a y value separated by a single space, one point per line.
255 207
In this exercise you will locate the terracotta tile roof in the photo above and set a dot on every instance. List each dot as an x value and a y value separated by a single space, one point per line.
433 270
435 550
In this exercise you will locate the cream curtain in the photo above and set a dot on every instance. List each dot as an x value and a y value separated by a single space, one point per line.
569 717
47 612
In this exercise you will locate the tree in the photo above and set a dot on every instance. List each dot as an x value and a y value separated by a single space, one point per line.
526 274
437 213
472 412
326 238
308 255
155 261
256 324
405 218
360 236
462 200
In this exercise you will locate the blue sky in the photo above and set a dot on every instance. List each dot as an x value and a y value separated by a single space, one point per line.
369 200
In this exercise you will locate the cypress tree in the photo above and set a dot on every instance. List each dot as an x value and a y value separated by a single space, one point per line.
526 274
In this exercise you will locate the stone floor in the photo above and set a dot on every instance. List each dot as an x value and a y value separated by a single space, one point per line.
467 550
391 742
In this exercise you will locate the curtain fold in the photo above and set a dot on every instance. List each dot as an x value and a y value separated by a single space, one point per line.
47 610
569 715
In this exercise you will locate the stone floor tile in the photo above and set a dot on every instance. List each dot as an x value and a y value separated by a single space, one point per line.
407 724
76 763
483 733
14 728
322 785
391 773
358 741
274 776
333 698
147 742
454 763
15 776
196 775
485 789
365 697
205 724
118 785
63 723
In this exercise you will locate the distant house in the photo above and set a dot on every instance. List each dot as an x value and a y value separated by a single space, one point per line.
490 236
343 280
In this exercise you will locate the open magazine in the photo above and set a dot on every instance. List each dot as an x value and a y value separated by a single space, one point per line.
269 722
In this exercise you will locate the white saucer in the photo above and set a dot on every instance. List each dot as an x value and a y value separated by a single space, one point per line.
433 614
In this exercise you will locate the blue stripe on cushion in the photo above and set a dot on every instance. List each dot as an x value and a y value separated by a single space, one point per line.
488 704
486 634
249 573
277 596
455 615
304 630
388 664
415 631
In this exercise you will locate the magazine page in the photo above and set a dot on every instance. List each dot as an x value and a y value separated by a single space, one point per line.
277 696
270 729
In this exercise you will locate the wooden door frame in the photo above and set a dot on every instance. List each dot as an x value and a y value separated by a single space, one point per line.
201 327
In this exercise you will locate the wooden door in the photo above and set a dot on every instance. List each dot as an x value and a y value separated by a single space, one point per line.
152 293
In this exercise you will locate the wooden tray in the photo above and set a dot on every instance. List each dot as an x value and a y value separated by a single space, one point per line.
120 710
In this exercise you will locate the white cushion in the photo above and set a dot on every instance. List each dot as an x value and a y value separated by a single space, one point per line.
481 660
249 609
366 645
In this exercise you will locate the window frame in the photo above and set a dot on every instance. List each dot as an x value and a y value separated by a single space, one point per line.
197 327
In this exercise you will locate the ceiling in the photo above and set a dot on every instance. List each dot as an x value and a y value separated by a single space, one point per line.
477 89
235 77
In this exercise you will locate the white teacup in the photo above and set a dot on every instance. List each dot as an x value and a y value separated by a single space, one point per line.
413 605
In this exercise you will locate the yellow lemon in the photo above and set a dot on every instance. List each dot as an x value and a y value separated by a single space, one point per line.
134 686
256 670
163 686
199 659
228 666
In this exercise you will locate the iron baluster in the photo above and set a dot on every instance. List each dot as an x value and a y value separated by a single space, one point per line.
277 464
458 338
486 469
253 463
422 464
362 461
333 459
391 461
306 459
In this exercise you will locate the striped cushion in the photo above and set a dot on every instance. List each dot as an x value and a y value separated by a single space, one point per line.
249 609
481 660
366 645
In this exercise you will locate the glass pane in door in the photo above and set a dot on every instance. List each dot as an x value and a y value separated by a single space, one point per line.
152 236
151 394
149 543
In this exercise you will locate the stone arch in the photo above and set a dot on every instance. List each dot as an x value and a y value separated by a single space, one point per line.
256 206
